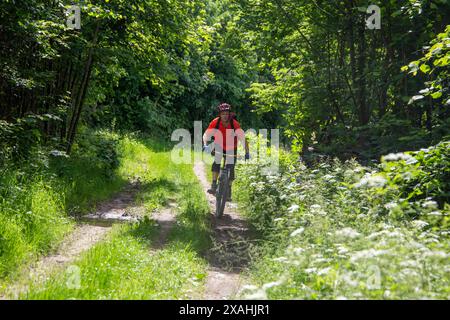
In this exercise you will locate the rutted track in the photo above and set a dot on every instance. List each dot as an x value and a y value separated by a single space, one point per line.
90 230
229 255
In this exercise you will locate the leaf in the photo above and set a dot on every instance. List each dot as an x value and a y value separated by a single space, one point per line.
436 95
425 68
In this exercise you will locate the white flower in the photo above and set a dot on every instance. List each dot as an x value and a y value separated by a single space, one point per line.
281 259
412 160
419 223
348 233
375 235
321 260
409 264
342 250
430 205
274 284
371 181
249 287
390 205
297 232
310 270
258 295
348 280
323 271
435 254
435 213
293 208
396 157
365 254
315 207
298 251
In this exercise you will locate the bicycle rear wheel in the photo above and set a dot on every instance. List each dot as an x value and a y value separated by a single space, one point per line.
221 194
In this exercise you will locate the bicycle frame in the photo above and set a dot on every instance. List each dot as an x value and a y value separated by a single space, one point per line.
223 184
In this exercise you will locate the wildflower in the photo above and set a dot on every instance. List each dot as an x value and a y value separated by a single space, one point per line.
342 250
419 223
274 284
297 232
258 295
365 254
348 280
281 259
409 264
396 157
347 233
436 254
412 160
371 181
390 205
293 208
323 271
298 251
310 270
249 287
430 205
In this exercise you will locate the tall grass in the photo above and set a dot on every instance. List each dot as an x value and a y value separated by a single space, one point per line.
39 198
127 266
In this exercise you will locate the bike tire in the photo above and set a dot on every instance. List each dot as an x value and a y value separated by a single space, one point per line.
221 195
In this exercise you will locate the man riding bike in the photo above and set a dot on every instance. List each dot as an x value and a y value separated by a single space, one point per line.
226 131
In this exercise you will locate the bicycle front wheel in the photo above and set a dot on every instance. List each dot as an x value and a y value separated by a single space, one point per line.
221 195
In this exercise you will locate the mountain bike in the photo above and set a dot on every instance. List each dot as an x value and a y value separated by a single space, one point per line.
223 186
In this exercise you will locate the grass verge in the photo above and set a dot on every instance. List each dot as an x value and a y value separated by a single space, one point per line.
126 266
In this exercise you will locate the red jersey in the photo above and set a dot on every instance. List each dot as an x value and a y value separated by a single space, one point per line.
226 136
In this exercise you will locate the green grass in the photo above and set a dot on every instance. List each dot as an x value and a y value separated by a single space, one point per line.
40 197
124 266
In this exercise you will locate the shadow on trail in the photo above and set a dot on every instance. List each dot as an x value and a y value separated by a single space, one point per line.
231 249
126 205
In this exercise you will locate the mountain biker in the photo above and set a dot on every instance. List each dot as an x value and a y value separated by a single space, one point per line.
226 130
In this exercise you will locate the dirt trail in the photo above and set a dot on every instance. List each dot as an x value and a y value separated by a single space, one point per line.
166 220
91 229
229 255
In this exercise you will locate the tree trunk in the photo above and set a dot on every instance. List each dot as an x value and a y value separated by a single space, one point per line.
78 107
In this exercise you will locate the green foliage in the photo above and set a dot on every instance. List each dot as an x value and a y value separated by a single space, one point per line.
436 64
173 272
421 175
345 231
37 198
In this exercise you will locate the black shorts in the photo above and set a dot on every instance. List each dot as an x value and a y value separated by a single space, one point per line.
230 162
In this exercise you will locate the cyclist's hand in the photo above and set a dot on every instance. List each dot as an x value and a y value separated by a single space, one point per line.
247 156
206 148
